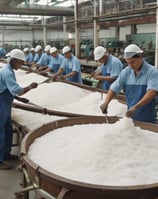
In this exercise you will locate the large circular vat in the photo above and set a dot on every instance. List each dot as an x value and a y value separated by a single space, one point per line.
61 187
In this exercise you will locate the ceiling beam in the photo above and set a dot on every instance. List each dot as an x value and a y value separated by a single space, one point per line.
38 10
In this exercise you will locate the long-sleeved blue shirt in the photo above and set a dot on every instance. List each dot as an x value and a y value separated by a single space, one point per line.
8 81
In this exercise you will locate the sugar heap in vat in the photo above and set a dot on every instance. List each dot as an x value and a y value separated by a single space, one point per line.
68 98
32 120
106 154
25 79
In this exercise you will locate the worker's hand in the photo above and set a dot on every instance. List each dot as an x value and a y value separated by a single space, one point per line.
54 77
131 111
41 72
33 85
63 77
104 108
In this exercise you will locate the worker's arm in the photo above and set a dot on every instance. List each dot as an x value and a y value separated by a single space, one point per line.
102 78
57 74
73 73
47 69
150 94
28 88
110 95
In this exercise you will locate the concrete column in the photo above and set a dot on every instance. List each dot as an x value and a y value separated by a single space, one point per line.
77 36
117 32
44 31
33 37
3 37
64 25
100 7
96 25
156 46
141 3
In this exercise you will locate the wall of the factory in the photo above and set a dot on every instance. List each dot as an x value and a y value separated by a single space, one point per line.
27 37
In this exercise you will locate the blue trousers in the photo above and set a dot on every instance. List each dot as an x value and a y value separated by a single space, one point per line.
6 129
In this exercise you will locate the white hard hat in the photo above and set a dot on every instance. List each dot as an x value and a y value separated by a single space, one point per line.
47 48
32 49
26 50
99 52
38 48
132 50
53 50
66 49
17 54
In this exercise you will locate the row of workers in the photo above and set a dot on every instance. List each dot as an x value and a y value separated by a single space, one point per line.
52 61
138 80
111 68
67 66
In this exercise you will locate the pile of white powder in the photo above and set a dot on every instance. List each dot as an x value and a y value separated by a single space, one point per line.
105 154
68 98
24 79
32 120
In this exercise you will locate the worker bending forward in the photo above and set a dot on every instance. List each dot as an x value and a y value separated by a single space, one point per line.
110 69
8 90
71 68
139 80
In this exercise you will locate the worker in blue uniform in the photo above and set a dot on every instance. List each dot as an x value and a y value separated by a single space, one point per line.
2 52
9 88
56 61
71 67
44 60
110 68
139 81
37 56
28 56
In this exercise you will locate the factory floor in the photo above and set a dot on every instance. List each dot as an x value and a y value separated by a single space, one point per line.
10 180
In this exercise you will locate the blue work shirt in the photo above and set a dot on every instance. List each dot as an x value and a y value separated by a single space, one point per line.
56 62
8 81
37 57
2 52
73 64
29 57
135 88
44 60
111 68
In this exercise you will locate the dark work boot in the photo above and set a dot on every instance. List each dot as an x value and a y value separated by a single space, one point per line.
11 157
5 166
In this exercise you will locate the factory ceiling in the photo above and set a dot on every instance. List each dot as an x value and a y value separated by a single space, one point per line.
27 12
37 10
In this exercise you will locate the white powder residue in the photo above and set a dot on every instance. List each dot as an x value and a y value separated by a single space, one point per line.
25 80
32 120
20 74
90 105
117 154
55 94
68 98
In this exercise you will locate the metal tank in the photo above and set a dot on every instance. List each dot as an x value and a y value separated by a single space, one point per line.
61 188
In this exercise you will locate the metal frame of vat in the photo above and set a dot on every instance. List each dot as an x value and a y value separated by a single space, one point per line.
63 188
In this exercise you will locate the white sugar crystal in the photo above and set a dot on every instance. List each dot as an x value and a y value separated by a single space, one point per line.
32 120
105 154
25 79
68 98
